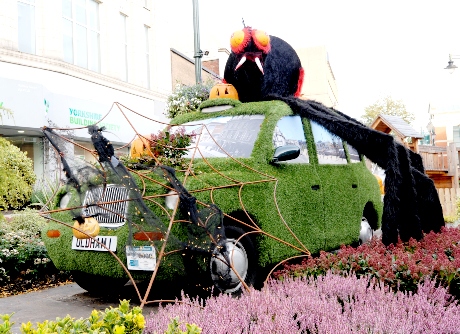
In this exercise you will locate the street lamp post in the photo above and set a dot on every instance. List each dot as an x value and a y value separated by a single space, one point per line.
198 53
450 65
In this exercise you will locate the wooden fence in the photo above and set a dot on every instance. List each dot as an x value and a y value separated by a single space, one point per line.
448 198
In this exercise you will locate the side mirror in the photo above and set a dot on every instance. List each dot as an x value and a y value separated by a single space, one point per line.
284 153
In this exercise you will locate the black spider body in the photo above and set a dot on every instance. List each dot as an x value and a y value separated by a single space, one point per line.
411 202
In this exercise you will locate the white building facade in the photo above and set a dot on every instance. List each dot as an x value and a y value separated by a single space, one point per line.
319 82
65 63
445 125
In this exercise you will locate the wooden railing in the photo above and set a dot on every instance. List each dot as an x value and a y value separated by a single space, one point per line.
434 158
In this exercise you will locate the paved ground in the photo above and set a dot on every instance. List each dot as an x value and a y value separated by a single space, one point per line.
60 301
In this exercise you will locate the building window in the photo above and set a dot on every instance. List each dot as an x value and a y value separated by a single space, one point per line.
456 135
26 26
147 57
123 48
80 19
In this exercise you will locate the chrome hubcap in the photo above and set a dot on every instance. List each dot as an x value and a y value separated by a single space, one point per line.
222 273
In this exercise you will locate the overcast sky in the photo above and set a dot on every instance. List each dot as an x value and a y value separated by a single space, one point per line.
376 48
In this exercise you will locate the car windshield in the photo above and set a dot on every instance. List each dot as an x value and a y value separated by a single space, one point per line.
224 136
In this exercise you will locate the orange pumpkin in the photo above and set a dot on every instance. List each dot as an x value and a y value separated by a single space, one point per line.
90 226
381 185
53 233
223 91
140 146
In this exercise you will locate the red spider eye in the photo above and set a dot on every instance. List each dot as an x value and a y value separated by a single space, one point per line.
261 40
239 40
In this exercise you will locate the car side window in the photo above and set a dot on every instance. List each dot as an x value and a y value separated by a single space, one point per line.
289 131
328 146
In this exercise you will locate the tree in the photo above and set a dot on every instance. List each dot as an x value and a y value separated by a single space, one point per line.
4 112
386 106
17 176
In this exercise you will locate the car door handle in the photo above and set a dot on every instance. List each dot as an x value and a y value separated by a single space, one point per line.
354 186
315 187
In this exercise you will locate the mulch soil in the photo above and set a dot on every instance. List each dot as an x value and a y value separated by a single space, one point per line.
21 285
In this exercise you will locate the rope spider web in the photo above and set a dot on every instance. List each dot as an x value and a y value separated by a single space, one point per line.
91 186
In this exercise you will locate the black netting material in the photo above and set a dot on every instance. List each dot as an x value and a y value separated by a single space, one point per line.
205 228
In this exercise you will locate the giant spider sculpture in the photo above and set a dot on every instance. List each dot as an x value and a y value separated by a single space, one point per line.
261 67
264 67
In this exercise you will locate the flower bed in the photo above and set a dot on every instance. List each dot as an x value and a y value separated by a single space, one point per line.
401 266
327 304
24 262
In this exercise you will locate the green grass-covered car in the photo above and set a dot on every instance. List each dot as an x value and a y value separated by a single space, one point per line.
285 186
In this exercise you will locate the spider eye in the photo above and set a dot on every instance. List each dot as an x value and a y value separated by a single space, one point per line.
261 37
261 40
237 39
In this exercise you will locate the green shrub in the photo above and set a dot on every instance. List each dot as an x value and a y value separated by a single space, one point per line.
17 176
122 319
28 221
187 99
21 255
24 260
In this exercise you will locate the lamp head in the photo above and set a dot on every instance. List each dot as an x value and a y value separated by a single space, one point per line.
450 66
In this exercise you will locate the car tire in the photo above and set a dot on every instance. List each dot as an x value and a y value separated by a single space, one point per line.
98 285
244 260
366 233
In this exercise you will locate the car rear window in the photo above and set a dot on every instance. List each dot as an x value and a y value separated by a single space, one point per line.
353 153
224 136
328 146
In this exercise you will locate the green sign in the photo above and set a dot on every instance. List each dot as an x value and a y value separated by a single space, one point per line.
85 118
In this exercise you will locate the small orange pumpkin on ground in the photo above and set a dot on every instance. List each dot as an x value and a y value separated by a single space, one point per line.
223 91
53 233
90 226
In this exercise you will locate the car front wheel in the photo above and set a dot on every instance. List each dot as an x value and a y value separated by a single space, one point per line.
233 254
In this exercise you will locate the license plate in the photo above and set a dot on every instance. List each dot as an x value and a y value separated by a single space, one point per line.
92 245
141 258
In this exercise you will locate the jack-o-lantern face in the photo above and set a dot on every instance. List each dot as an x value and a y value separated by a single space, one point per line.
223 91
90 226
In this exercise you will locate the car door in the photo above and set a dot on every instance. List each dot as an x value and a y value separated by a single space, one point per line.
299 191
340 188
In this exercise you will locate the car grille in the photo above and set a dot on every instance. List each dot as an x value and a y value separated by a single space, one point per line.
108 215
